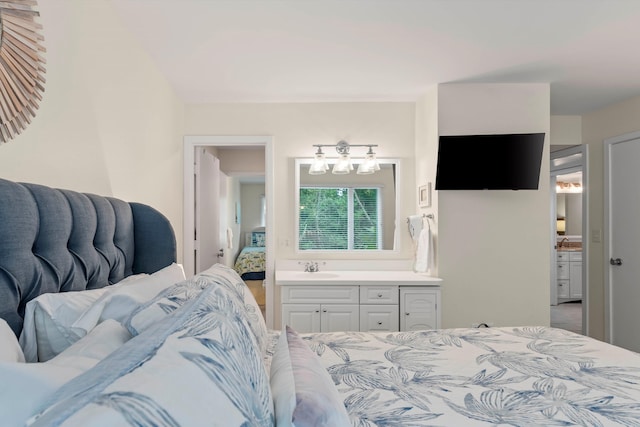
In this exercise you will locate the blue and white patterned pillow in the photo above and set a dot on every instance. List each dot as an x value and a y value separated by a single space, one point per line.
258 238
199 365
218 276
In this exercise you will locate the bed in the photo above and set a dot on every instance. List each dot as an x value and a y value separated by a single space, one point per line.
251 261
158 349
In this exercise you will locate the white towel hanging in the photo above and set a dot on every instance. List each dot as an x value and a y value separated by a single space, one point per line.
415 227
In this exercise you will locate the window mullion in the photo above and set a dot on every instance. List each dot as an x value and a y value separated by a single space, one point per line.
351 221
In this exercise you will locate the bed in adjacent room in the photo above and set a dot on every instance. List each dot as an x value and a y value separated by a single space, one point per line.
251 261
117 336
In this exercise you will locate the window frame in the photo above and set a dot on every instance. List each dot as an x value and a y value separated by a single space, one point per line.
351 232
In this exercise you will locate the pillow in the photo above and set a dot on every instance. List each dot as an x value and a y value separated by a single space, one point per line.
48 320
199 365
219 276
227 276
25 387
10 350
119 302
258 238
304 394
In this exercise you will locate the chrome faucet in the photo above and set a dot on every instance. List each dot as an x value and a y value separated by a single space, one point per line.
311 267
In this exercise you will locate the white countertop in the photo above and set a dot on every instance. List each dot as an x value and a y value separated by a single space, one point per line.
355 277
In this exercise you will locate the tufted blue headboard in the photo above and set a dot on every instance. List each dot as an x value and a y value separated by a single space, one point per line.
59 240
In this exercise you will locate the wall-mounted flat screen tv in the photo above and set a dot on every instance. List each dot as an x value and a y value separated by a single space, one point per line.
489 162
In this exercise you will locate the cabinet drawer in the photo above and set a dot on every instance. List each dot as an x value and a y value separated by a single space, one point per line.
320 294
563 256
563 270
564 288
379 295
379 318
575 256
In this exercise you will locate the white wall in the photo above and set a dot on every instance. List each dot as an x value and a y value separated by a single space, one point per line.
566 130
109 123
494 248
617 119
250 205
296 127
426 152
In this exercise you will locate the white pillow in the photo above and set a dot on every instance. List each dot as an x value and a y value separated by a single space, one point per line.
119 302
10 350
48 319
25 387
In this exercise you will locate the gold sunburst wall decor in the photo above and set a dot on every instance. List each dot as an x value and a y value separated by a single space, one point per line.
21 66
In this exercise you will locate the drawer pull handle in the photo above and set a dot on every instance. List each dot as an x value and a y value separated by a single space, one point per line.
317 311
324 311
379 295
379 323
406 314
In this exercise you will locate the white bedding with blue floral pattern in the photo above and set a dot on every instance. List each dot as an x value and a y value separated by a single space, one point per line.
466 377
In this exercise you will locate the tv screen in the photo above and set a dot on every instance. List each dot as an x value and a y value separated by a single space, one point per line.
489 162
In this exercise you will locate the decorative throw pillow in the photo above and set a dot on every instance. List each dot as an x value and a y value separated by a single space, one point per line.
48 320
119 302
10 350
258 238
303 392
199 365
24 387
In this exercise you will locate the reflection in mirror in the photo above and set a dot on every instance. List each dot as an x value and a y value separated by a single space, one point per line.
346 212
569 204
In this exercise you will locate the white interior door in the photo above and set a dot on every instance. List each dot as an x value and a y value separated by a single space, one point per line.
207 209
553 271
623 232
225 239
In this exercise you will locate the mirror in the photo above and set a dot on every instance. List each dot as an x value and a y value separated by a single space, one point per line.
346 212
569 204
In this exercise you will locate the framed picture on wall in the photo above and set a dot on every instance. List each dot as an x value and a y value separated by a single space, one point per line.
424 195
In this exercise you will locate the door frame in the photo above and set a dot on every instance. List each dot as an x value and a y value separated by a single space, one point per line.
190 144
608 309
572 165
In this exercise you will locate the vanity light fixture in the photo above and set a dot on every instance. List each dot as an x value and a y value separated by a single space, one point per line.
319 165
343 165
568 187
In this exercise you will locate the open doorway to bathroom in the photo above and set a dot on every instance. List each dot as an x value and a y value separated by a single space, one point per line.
568 239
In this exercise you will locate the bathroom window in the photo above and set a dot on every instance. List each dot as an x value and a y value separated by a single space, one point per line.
340 218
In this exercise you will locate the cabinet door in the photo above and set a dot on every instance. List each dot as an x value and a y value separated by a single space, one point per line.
419 309
301 317
563 289
339 317
379 318
576 280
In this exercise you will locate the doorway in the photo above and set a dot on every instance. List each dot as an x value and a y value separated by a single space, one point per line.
569 254
190 244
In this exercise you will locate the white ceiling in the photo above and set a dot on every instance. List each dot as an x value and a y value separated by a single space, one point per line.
392 50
